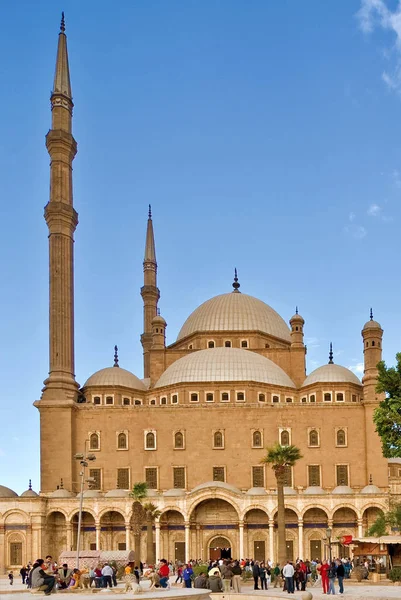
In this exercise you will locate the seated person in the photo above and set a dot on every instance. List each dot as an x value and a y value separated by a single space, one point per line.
41 579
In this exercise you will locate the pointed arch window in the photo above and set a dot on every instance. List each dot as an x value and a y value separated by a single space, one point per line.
285 438
257 439
150 440
313 438
341 437
218 439
122 441
94 441
179 440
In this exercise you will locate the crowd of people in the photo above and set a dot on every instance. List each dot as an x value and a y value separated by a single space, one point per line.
223 575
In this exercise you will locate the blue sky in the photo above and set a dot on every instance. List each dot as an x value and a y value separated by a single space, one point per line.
266 136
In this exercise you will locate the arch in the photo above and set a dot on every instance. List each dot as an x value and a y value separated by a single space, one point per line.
254 507
52 517
211 510
291 515
94 441
316 514
122 441
218 439
217 494
341 437
172 516
104 512
178 439
257 439
15 511
345 516
75 513
60 510
313 437
56 531
259 516
219 541
285 438
348 506
370 514
150 440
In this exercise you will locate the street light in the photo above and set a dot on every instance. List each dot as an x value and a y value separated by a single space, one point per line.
84 462
328 535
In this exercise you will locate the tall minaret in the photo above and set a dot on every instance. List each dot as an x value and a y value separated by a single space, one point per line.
149 292
61 219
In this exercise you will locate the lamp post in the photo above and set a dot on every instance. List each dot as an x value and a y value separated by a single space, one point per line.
84 462
328 535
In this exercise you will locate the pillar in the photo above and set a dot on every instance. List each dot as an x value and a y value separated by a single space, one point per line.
300 539
157 527
98 529
360 528
271 540
241 540
127 537
187 544
69 537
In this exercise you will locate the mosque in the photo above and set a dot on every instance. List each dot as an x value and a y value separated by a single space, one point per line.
196 426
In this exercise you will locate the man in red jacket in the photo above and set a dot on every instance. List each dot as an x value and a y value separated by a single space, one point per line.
164 573
323 570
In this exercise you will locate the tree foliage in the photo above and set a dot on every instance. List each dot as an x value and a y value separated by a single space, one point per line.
387 521
387 416
279 457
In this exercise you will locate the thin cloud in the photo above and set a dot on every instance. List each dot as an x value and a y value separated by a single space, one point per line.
376 14
396 178
374 210
358 369
312 342
358 232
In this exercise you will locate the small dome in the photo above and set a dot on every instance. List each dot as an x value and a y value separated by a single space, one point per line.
158 319
372 325
235 312
117 494
257 491
314 490
288 491
216 484
5 492
224 364
370 489
29 494
62 493
331 373
114 376
91 494
174 492
342 489
297 318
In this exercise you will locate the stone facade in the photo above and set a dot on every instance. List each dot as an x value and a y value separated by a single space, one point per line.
196 427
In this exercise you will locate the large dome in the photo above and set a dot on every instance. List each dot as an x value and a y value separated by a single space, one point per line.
235 312
332 374
224 364
114 376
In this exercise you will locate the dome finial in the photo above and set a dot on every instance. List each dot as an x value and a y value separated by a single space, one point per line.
116 357
236 285
370 480
296 310
150 212
331 354
371 314
61 484
62 24
30 484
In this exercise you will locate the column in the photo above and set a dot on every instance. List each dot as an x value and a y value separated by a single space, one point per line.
157 527
69 537
360 528
241 540
187 537
127 537
98 536
271 540
301 539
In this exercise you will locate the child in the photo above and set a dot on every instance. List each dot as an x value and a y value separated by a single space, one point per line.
11 577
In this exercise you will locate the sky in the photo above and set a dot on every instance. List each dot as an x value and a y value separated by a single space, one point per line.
265 135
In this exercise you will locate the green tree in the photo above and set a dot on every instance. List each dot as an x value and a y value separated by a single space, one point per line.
151 514
138 493
388 520
279 457
387 416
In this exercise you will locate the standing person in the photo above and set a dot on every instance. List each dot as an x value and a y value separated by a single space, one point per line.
288 573
23 573
256 574
187 575
11 577
237 571
340 576
226 575
276 574
164 573
179 574
262 576
107 574
92 576
347 568
323 572
332 573
114 576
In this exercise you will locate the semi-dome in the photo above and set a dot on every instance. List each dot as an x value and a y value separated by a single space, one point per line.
331 373
235 312
117 494
62 493
216 484
5 492
314 490
174 492
91 494
115 376
224 364
257 491
29 494
342 489
370 489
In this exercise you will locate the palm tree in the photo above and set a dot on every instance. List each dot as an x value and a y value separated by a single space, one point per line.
279 457
151 514
138 492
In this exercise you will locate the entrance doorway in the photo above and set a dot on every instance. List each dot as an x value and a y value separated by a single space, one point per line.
180 552
219 547
289 546
315 549
259 551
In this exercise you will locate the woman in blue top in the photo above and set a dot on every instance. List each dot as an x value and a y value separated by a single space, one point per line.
187 575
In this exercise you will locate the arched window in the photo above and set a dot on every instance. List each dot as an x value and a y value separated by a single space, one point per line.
94 442
178 440
262 398
257 439
244 343
227 344
150 441
341 438
285 438
276 399
210 344
122 441
313 438
312 398
218 439
373 343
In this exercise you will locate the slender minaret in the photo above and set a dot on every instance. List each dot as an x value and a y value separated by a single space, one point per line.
61 219
149 292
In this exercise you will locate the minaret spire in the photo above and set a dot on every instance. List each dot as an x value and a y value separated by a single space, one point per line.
331 362
149 292
61 93
236 285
